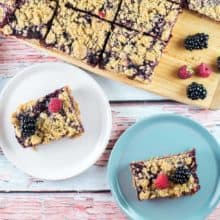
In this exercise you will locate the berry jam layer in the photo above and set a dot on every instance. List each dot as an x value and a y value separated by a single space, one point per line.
131 54
7 8
78 35
30 19
105 9
210 8
47 119
169 176
154 17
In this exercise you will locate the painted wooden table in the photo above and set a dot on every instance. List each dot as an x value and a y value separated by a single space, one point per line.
86 196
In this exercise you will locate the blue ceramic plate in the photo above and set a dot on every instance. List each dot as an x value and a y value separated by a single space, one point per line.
157 136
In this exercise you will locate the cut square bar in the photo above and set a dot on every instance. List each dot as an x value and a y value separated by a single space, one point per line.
180 169
209 8
35 124
30 18
153 17
132 54
78 35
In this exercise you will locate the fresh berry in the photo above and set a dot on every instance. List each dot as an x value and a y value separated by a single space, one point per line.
162 181
102 14
196 42
185 72
181 175
204 70
55 105
196 91
28 125
218 63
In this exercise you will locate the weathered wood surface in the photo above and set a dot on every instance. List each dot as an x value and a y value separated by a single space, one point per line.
37 199
71 206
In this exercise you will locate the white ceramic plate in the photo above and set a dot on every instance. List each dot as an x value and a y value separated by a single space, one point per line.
67 157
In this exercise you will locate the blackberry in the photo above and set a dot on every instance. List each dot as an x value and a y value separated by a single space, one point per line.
181 175
218 63
196 42
196 91
28 125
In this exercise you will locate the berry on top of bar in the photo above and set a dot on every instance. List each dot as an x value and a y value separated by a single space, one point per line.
46 119
168 176
154 17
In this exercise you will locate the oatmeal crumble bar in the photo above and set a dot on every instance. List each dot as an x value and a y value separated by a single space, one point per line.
47 119
105 9
154 17
210 8
78 35
30 18
131 54
169 176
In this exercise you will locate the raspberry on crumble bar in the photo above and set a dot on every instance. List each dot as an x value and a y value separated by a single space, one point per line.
47 119
168 176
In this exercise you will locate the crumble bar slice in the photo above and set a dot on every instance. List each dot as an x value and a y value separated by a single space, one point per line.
47 119
169 176
78 35
105 9
131 54
209 8
153 17
30 18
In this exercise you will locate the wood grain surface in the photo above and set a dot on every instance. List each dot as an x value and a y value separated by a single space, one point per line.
164 81
86 196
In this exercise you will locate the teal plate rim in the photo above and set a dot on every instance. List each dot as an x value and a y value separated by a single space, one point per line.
111 168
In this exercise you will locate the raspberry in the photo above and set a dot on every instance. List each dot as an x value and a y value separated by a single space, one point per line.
102 14
204 70
162 181
185 72
55 105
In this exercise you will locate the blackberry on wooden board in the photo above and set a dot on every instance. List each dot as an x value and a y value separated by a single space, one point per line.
196 91
196 42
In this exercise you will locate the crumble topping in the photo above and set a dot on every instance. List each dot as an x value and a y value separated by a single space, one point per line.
132 54
154 17
210 8
31 19
78 34
105 9
144 174
49 126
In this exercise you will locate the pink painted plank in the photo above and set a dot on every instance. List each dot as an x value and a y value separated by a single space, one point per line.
71 206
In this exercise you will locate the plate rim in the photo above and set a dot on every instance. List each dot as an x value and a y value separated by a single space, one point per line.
106 137
111 168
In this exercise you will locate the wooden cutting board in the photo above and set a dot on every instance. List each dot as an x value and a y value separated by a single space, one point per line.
164 81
